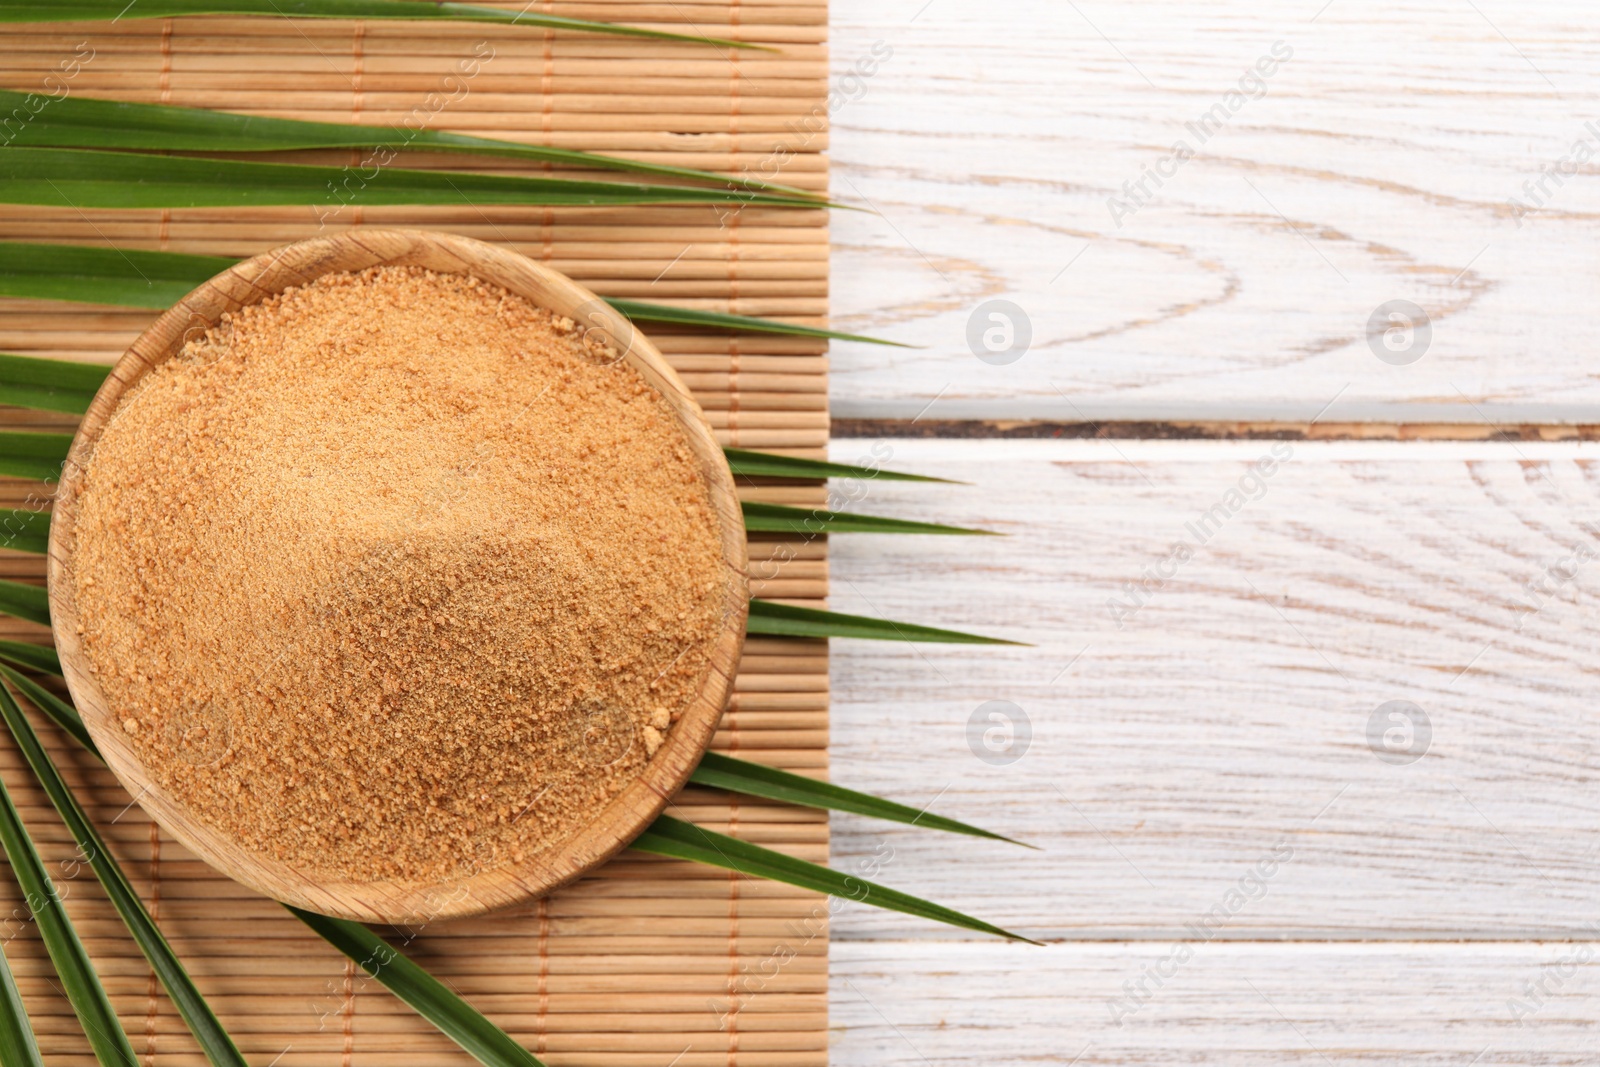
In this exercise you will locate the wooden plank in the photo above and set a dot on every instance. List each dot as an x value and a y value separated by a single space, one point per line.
1185 736
1380 164
1240 1005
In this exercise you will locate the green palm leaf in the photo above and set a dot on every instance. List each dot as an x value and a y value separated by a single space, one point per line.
758 780
685 841
50 384
766 465
33 455
30 602
18 1046
776 518
82 122
426 995
786 620
92 275
30 657
57 710
84 178
75 10
24 530
643 312
207 1029
78 978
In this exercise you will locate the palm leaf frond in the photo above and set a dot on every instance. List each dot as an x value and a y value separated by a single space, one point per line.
425 995
767 465
202 1022
25 531
778 518
80 178
89 274
33 455
18 1045
77 974
31 657
55 709
22 601
84 122
100 10
787 620
48 384
758 780
686 841
717 320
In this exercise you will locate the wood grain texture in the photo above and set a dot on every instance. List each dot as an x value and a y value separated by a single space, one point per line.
1228 717
1379 163
1252 1004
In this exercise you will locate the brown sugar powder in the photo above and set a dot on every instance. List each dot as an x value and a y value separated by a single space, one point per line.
395 575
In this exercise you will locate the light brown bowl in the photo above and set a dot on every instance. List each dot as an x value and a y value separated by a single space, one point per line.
397 900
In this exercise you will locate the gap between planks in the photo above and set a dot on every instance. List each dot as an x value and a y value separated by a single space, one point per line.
1218 430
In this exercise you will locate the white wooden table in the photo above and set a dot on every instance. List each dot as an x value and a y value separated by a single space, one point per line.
1322 785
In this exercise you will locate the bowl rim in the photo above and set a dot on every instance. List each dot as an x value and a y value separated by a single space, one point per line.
398 901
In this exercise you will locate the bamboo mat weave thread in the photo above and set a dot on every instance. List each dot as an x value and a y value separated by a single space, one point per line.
649 962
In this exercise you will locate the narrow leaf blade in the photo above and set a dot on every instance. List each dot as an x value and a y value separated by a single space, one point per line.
34 455
758 780
30 602
77 974
81 178
90 275
718 320
778 518
685 841
202 1022
57 710
767 465
17 1044
86 10
85 122
786 620
25 531
426 995
52 385
31 657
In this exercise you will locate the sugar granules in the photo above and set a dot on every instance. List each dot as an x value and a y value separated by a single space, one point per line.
395 575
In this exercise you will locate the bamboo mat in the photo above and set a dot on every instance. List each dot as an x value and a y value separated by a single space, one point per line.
647 962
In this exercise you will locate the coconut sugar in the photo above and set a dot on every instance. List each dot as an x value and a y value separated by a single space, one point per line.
395 575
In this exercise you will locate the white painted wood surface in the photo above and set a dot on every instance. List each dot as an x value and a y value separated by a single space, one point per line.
1378 164
1238 1005
1221 727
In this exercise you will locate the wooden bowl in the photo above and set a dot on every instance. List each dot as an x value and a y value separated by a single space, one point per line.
397 900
